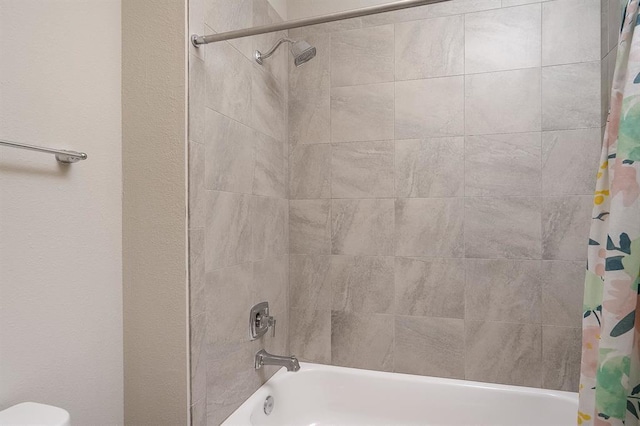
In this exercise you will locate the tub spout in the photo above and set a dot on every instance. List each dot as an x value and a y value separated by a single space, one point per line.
265 358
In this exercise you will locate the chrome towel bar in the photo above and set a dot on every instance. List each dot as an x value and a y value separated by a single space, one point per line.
62 155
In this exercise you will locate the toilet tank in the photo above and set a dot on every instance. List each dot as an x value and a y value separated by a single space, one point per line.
34 414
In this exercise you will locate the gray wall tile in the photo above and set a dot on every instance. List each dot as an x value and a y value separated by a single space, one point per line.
197 196
362 340
197 98
362 170
430 167
310 335
199 413
570 31
571 96
362 113
229 292
228 15
362 227
429 227
198 356
605 91
268 104
503 290
362 284
432 48
228 230
449 8
429 346
310 278
362 56
310 96
197 277
569 161
561 350
604 28
565 227
507 227
230 154
236 107
503 102
269 224
614 22
269 178
328 28
196 23
503 39
562 289
502 165
271 284
278 64
229 381
454 7
429 287
503 353
508 3
610 60
310 171
228 87
429 108
310 226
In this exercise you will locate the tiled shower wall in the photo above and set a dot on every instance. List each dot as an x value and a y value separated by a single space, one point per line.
442 161
238 204
441 165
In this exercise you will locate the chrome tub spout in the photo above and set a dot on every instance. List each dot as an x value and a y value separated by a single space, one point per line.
265 358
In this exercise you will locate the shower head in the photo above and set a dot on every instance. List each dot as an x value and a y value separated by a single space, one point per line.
302 52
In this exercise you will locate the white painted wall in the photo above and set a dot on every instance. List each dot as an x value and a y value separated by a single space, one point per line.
60 227
297 9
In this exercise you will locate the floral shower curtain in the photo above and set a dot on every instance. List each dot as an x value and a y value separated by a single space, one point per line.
610 371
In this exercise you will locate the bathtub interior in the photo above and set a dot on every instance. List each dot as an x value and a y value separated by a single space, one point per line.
325 395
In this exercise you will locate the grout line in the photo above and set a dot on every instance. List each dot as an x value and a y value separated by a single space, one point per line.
394 290
330 236
428 138
420 258
408 199
465 74
202 400
542 221
238 122
464 195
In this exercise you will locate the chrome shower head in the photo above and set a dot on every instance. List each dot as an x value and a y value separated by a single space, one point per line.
302 52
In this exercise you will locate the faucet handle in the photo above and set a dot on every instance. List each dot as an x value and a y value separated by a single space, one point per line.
260 321
272 324
268 322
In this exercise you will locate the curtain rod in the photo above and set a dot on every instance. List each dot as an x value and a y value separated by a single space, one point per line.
331 17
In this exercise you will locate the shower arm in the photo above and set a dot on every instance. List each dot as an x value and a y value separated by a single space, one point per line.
261 56
198 40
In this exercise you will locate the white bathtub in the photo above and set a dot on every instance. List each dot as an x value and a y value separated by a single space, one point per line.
321 395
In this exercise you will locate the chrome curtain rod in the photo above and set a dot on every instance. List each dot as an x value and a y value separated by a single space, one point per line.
62 155
331 17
